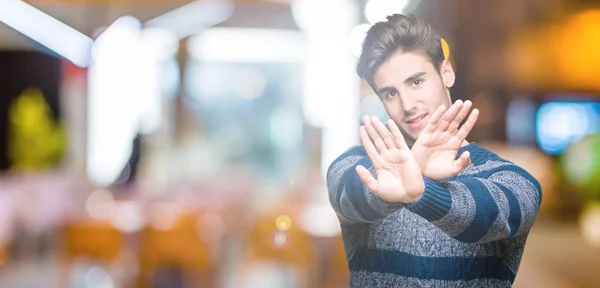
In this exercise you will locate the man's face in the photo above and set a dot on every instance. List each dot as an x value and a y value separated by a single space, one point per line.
412 90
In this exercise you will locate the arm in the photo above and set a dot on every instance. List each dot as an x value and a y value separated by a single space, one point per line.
499 202
490 201
350 198
365 188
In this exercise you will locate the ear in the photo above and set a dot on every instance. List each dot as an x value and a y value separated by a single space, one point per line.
447 73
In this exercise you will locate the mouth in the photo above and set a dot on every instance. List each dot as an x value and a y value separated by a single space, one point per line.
416 121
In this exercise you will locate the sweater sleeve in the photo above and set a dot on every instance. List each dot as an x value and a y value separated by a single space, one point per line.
489 202
349 197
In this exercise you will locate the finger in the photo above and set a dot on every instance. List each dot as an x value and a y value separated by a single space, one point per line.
377 140
449 115
462 162
400 142
368 144
466 128
384 133
435 118
462 114
366 178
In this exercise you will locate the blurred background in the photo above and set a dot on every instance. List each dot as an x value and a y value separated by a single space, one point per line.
178 143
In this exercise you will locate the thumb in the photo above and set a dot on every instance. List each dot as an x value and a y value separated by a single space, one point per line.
462 162
366 177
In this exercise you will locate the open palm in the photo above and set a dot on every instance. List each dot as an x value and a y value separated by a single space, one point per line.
437 146
398 176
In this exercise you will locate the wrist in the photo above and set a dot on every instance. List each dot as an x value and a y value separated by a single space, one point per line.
434 203
421 155
417 193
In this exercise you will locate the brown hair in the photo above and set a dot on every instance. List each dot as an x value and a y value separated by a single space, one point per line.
398 33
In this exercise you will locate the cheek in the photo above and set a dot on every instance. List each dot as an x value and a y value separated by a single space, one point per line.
394 110
433 98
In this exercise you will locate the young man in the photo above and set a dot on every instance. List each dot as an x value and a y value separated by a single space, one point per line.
419 206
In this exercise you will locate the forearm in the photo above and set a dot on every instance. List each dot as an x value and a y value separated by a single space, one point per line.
492 206
349 197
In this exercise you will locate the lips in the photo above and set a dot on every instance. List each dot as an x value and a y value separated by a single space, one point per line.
416 120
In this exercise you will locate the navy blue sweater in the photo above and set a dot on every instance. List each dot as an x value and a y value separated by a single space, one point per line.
467 231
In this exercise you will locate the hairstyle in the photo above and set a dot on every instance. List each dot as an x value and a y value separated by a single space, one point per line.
398 33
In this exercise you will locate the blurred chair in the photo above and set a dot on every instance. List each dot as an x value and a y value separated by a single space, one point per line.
178 249
97 241
277 254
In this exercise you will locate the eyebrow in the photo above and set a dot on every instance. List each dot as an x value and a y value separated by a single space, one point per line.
414 77
407 81
384 90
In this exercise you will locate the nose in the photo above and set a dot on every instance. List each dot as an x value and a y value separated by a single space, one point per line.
408 103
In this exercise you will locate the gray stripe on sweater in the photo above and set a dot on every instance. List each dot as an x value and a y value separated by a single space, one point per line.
528 196
513 260
487 166
461 212
348 208
427 239
334 178
363 279
499 228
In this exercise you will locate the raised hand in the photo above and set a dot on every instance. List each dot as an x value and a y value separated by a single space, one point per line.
437 146
398 178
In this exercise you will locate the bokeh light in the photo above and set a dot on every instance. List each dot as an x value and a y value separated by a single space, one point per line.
280 239
283 222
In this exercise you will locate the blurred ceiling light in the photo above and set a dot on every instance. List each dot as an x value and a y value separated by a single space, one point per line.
112 117
49 32
247 45
194 17
158 43
356 38
330 90
378 10
122 29
156 46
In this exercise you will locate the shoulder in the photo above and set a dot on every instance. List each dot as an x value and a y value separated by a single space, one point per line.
352 154
485 163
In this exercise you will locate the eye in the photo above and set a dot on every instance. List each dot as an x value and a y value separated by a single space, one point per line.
417 82
390 94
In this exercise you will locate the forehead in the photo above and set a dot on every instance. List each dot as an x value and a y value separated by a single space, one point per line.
400 66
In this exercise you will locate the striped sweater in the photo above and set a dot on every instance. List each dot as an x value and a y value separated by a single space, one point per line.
467 231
